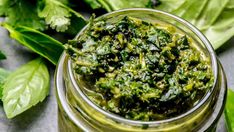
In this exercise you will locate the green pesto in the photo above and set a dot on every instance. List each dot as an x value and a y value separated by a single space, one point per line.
139 70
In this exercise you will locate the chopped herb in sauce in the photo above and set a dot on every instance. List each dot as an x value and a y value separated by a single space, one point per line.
140 70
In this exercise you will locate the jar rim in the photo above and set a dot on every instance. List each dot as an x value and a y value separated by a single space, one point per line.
205 98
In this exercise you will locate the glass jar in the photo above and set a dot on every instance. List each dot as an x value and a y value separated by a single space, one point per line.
77 113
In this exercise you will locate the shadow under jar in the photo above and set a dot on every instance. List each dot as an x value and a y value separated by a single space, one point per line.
77 112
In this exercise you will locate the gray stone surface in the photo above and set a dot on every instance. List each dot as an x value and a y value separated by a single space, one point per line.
43 117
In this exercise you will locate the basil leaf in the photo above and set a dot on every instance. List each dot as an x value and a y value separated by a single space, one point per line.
3 75
39 42
229 111
2 56
25 87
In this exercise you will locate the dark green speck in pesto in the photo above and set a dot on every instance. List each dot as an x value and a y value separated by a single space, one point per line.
139 70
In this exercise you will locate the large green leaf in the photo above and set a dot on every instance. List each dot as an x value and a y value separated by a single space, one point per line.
210 13
229 111
211 17
39 42
3 75
222 30
193 10
25 87
170 5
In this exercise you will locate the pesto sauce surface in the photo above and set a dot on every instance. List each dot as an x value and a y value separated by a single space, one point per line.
140 70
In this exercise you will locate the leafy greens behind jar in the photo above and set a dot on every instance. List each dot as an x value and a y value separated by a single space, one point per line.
213 17
38 15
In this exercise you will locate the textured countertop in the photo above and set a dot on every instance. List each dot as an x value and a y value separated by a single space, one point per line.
43 117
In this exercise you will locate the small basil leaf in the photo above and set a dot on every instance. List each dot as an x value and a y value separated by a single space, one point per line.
25 87
3 75
37 41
